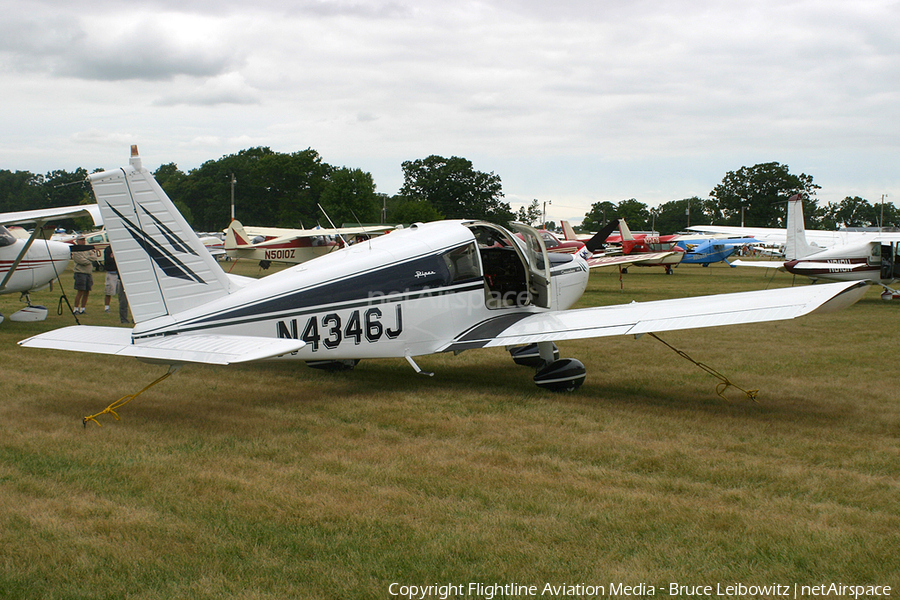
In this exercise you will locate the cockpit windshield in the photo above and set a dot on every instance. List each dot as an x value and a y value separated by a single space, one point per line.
6 238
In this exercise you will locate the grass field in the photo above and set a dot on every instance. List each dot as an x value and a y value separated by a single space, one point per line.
280 481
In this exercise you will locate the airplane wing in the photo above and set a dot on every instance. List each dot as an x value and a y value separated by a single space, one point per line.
52 214
769 264
280 232
176 349
661 315
628 259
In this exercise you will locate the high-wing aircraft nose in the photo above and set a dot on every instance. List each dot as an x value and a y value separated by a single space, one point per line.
60 252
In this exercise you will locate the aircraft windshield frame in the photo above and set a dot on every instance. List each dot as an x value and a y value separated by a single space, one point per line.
6 238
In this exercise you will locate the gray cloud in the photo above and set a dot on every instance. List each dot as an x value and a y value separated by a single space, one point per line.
595 89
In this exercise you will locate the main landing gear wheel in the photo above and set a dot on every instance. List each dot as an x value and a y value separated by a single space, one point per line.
564 375
554 374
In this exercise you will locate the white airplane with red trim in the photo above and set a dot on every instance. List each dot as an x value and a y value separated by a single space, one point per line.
446 286
273 244
31 264
875 259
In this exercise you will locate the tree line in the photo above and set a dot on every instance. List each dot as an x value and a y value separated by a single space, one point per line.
298 189
751 196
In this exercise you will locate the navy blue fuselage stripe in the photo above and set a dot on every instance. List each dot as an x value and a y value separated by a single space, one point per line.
420 277
218 321
421 274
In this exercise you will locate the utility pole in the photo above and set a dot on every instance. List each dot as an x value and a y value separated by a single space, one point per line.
544 215
233 183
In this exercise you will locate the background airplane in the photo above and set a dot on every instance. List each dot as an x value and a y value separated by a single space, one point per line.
875 258
32 263
641 249
816 238
703 251
447 286
267 244
570 235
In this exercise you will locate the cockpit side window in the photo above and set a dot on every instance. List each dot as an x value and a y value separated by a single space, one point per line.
6 238
549 240
462 262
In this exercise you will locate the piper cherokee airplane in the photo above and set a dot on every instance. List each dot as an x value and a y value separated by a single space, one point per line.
876 259
25 265
446 286
268 244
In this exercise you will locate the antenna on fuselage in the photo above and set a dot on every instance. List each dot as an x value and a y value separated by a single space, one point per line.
330 222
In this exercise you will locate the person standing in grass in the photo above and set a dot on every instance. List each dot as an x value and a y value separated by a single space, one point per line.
114 285
84 279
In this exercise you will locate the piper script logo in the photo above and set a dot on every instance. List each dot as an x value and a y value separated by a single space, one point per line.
164 258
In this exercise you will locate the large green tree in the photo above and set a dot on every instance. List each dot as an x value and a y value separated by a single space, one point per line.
455 189
272 189
530 215
677 215
635 213
760 193
349 196
20 190
599 215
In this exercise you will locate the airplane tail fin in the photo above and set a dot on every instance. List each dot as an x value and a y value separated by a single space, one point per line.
236 236
568 232
164 266
796 245
625 231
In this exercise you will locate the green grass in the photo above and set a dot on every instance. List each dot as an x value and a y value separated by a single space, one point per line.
279 481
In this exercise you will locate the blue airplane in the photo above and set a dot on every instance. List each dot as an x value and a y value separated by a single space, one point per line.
706 251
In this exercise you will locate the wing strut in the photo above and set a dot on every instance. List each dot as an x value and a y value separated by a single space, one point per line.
724 382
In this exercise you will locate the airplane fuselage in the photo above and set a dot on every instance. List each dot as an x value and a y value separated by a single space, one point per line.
406 294
43 262
871 261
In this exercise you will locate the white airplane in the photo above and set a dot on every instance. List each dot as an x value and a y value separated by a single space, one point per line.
816 238
446 286
289 245
31 264
875 259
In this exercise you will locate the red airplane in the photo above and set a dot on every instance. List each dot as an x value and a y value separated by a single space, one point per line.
642 249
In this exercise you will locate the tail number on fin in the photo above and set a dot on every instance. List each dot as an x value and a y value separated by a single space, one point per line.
331 330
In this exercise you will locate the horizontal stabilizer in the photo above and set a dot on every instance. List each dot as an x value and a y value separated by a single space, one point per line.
828 267
768 264
174 349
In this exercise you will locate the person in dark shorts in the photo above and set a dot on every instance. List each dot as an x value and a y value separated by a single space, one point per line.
84 279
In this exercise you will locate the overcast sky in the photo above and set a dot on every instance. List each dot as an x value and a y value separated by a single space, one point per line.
568 102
